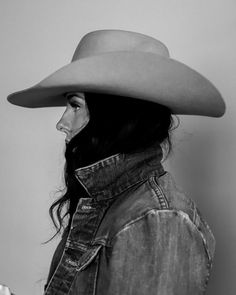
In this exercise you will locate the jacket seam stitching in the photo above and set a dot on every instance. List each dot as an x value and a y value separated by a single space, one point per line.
159 193
94 252
103 193
96 278
130 223
59 263
158 211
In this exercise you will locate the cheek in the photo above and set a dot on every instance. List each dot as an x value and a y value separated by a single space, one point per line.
80 121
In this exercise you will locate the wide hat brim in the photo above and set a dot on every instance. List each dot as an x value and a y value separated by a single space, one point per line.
140 75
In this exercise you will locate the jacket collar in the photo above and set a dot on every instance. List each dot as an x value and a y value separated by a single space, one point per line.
111 176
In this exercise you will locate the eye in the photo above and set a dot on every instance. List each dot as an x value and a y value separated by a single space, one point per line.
74 105
72 101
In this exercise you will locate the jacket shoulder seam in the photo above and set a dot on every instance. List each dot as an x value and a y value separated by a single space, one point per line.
161 211
139 218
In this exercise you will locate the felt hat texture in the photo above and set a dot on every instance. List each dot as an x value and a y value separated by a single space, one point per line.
131 64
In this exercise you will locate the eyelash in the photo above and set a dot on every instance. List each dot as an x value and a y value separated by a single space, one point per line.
74 105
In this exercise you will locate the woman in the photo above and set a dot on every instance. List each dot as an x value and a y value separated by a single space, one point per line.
126 227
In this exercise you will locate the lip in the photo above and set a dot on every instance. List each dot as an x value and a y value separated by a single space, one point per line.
71 134
68 137
68 134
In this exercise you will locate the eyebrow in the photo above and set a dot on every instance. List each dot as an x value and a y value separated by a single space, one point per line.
70 96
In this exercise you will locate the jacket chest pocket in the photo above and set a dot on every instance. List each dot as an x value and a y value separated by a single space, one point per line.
85 279
76 273
88 257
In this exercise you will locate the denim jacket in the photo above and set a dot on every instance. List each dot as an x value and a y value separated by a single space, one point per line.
136 234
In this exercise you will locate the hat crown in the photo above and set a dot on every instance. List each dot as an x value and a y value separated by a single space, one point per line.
105 41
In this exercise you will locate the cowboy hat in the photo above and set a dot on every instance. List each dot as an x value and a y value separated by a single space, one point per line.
128 64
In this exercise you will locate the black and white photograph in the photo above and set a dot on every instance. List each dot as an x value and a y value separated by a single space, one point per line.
118 147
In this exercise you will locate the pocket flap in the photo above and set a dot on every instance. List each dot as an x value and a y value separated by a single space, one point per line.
88 257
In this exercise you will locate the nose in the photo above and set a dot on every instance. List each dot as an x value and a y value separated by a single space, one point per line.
61 125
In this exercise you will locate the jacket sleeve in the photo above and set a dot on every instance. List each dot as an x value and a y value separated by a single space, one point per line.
159 253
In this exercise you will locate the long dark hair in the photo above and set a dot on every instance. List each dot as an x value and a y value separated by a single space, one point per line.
117 125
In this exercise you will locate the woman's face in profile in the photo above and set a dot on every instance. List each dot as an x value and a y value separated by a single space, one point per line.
75 117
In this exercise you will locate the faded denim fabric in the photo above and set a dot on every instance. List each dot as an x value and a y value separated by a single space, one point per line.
135 234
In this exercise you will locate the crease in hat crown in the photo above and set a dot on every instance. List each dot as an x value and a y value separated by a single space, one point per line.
130 64
105 41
